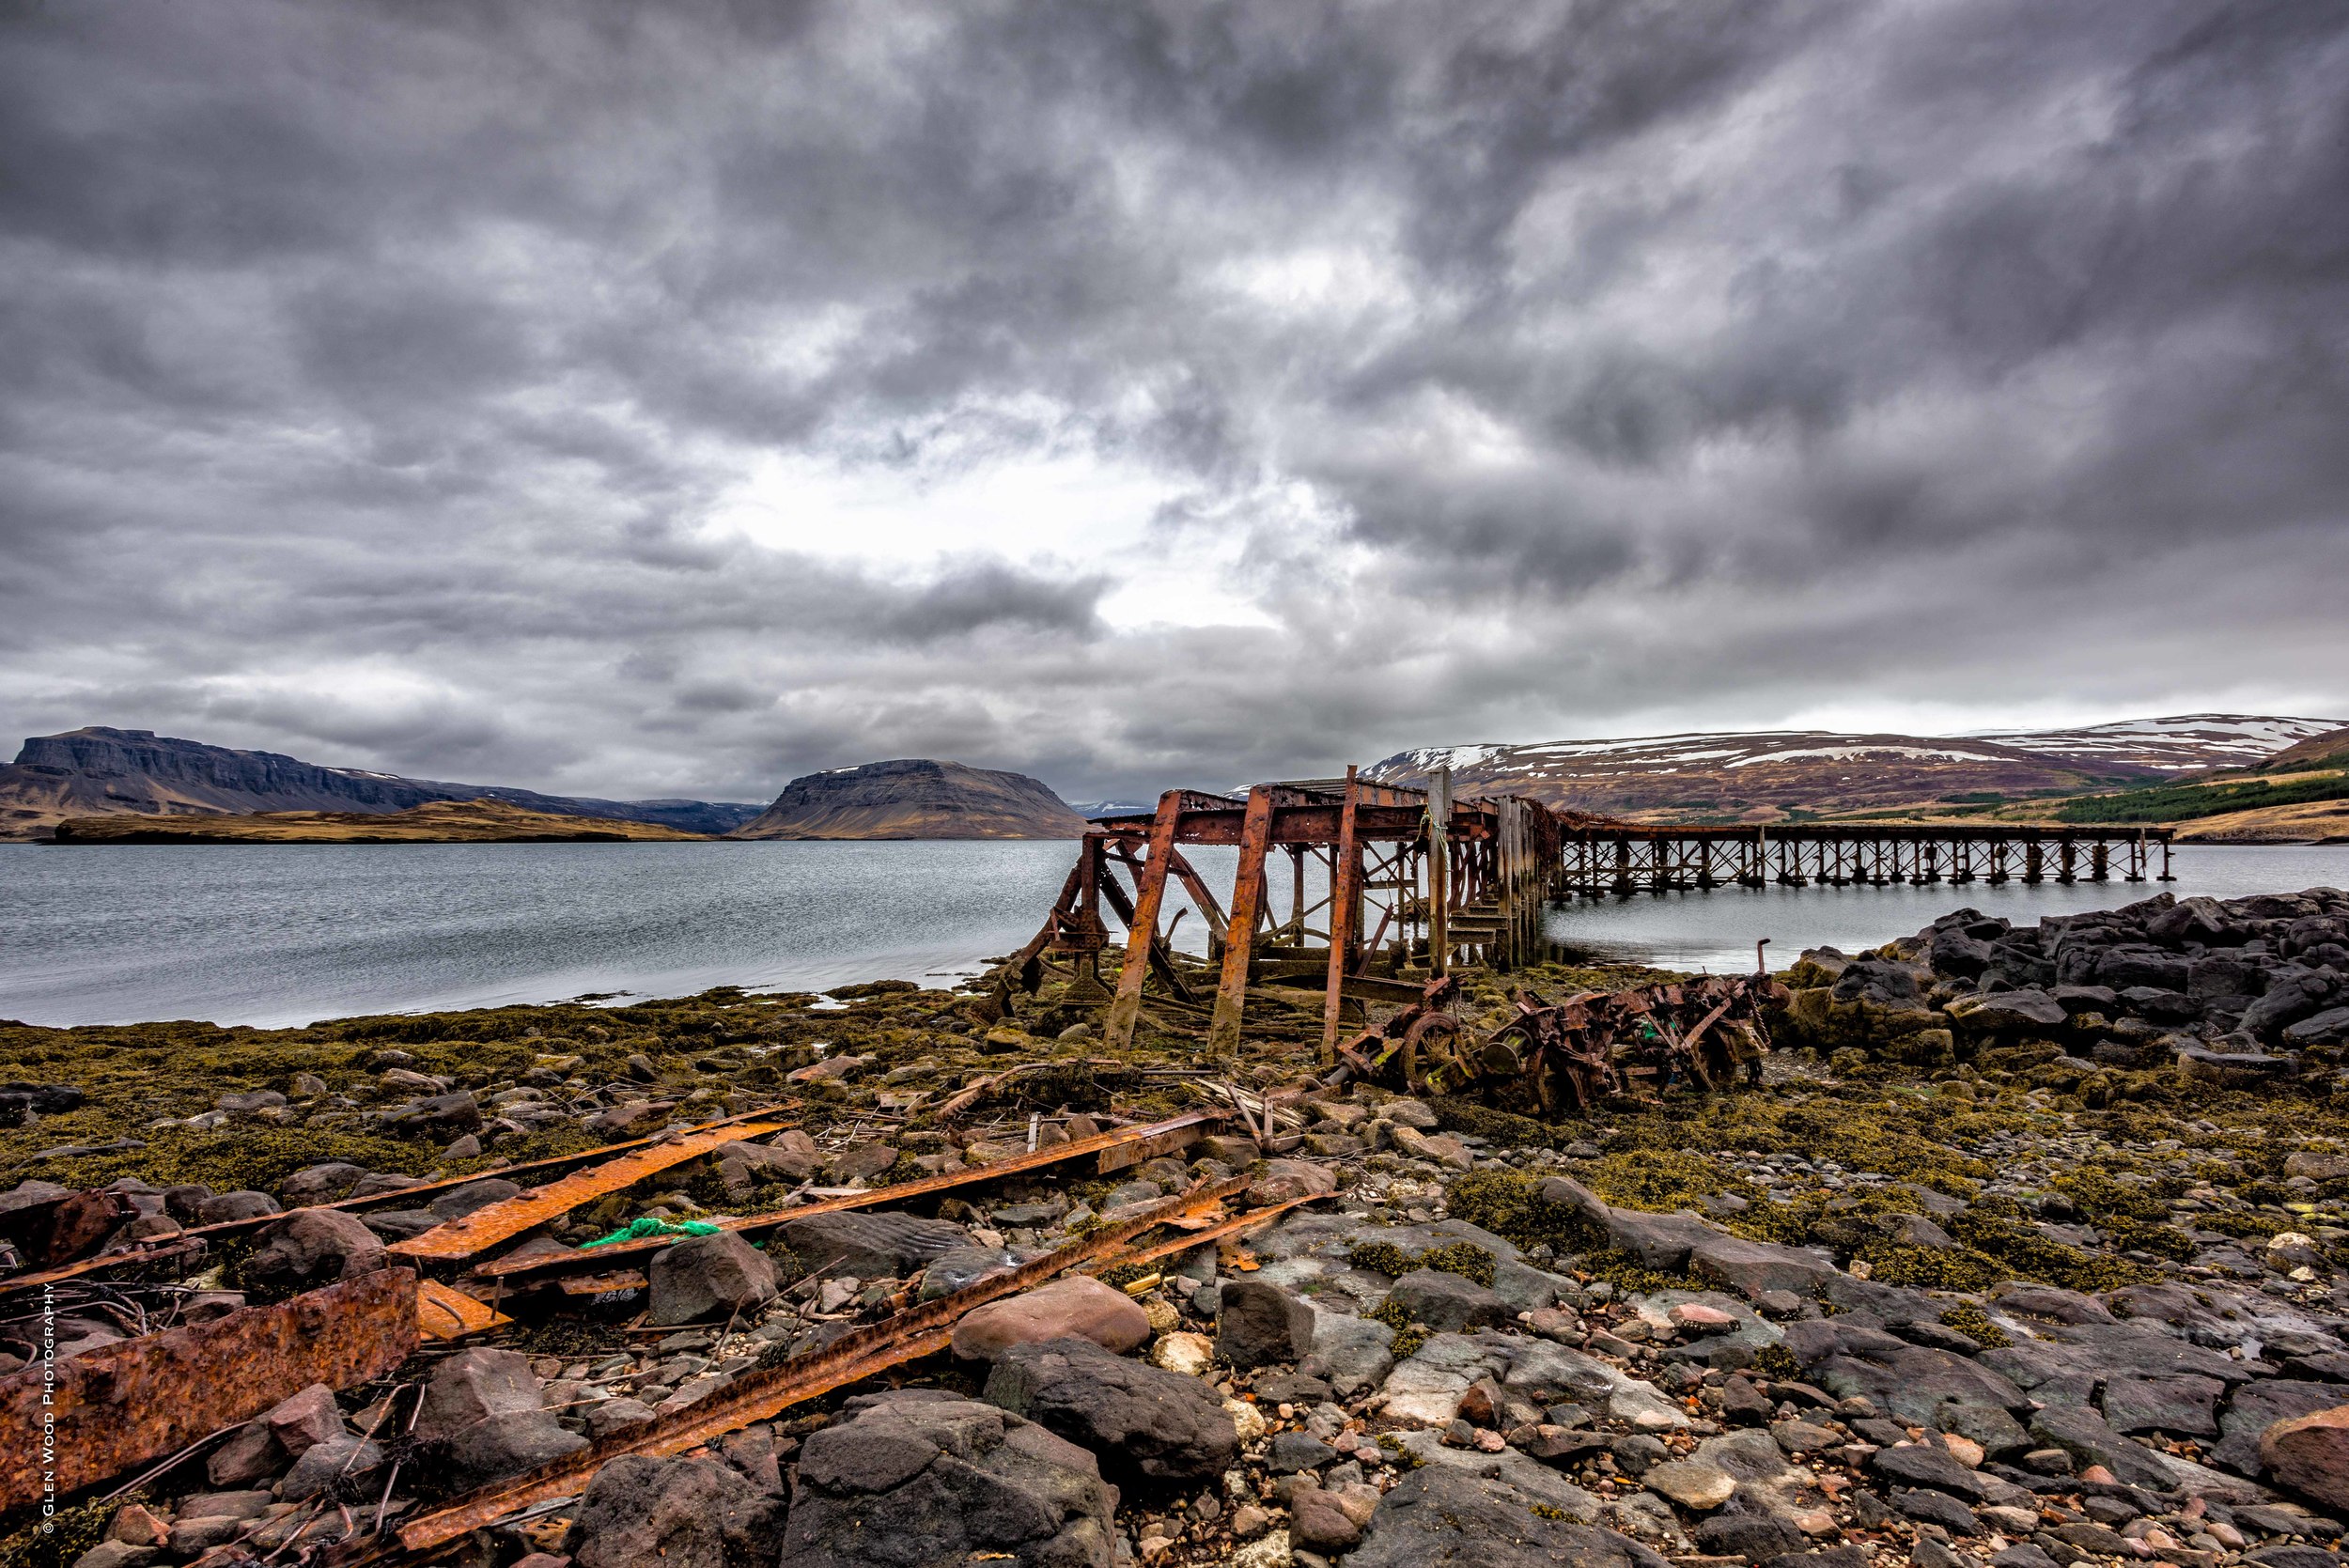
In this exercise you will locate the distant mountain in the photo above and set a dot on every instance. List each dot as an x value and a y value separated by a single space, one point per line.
98 772
482 821
2328 750
2182 744
1094 810
1766 775
915 797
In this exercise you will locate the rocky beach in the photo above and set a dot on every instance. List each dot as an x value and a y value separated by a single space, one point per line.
2029 1249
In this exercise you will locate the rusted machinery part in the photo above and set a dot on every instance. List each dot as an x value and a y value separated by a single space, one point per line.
1434 1057
1115 1149
476 1232
758 1396
138 1400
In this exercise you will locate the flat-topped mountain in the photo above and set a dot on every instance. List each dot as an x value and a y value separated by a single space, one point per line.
101 772
483 821
1764 775
915 797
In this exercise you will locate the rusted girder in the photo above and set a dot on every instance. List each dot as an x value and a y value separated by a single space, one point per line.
484 1227
175 1247
758 1396
1115 1149
124 1403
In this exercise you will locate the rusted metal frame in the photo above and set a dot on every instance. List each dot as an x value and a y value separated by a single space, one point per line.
1201 894
1162 952
758 1396
1117 1030
1345 889
1240 937
1438 829
172 1247
1185 1127
1238 1224
1017 965
476 1233
138 1400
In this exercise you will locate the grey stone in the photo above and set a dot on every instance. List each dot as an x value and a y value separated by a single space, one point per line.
710 1275
331 1467
1447 1516
1448 1303
934 1482
1145 1424
1258 1324
311 1247
871 1245
678 1513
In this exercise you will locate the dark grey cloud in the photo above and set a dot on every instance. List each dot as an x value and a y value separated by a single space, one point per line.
594 397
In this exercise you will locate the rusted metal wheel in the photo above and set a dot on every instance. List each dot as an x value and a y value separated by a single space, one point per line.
1435 1059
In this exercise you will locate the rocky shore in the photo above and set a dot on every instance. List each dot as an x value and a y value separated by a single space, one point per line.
2031 1248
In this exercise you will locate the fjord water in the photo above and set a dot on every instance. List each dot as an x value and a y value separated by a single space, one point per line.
275 935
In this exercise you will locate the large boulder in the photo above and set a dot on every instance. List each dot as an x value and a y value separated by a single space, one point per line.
311 1247
487 1413
1145 1425
1260 1325
442 1116
2310 1455
678 1513
710 1275
1450 1517
871 1245
921 1478
1074 1307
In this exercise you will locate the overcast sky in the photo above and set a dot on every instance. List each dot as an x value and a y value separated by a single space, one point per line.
669 398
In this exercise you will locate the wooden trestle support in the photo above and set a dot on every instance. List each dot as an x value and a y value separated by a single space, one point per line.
1410 882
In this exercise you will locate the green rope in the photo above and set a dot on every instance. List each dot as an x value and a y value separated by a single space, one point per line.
638 1230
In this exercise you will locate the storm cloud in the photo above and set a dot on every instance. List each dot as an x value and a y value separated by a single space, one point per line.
668 399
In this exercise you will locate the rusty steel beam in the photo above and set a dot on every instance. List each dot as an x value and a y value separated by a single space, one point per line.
444 1313
483 1229
1346 896
758 1396
1237 1225
1159 1136
1239 934
138 1400
1117 1030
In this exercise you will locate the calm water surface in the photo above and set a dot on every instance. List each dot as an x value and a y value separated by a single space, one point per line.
284 934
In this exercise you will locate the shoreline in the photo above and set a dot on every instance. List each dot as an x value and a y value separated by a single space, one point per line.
1428 1307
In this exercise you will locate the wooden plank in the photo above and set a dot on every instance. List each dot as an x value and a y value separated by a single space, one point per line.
1239 934
1345 894
485 1228
1117 1031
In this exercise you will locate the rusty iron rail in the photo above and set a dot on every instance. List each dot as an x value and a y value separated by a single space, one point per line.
170 1248
1238 1224
125 1404
759 1396
477 1232
1115 1149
